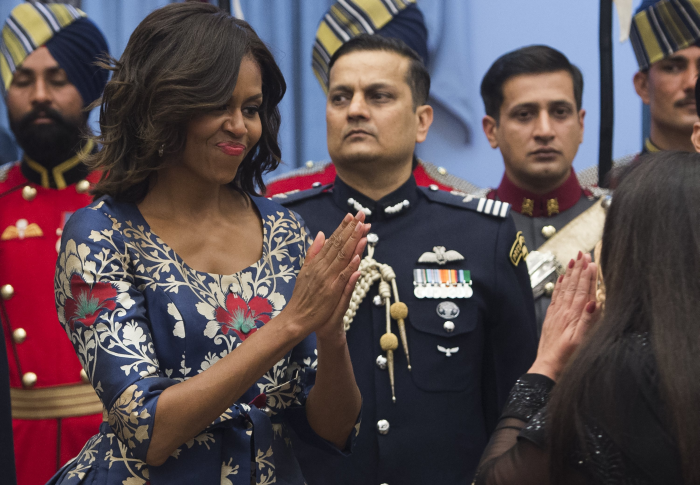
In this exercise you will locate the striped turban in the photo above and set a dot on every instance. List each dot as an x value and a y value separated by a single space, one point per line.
73 41
662 27
346 19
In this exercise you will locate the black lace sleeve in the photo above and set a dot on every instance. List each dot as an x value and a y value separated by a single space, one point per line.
509 460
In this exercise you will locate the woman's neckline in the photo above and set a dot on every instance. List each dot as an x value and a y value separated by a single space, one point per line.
263 257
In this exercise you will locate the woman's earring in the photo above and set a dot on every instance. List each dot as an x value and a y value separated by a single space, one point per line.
161 150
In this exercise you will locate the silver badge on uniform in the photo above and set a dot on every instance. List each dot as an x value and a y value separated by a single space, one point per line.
440 256
447 310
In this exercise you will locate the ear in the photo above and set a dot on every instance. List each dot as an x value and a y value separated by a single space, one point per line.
425 119
581 116
641 85
490 127
695 137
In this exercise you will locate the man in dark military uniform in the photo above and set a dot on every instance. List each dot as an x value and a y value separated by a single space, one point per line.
441 322
47 56
533 98
343 21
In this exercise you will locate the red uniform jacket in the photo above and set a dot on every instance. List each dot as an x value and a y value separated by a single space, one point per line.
41 357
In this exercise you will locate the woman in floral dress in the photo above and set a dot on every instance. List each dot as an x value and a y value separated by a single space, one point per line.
183 292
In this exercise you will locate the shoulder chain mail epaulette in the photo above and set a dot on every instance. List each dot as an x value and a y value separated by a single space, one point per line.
311 169
451 181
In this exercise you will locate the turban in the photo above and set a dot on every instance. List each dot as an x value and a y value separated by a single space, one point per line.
73 41
346 19
662 27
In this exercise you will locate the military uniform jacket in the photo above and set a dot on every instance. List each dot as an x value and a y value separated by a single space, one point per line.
40 356
540 217
461 374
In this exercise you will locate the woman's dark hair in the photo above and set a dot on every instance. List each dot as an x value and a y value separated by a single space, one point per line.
651 267
533 59
181 61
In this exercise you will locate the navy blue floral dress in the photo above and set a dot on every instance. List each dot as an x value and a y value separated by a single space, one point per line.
141 320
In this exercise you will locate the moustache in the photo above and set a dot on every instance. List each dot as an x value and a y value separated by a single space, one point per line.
687 101
41 112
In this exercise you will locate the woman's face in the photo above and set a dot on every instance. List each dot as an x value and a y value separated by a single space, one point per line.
217 142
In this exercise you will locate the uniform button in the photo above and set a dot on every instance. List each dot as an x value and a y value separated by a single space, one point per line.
449 326
7 292
29 379
309 164
377 300
28 193
372 238
442 171
19 335
316 185
549 289
606 202
82 187
383 426
433 187
549 231
381 362
84 376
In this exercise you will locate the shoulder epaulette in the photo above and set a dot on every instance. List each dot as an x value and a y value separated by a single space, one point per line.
293 196
441 176
588 177
456 198
5 169
310 168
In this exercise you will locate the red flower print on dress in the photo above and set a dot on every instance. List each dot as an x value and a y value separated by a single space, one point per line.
243 317
88 301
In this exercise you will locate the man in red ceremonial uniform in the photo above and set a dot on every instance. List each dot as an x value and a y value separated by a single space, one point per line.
47 57
339 25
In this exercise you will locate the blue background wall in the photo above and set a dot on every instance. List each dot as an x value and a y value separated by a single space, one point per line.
466 36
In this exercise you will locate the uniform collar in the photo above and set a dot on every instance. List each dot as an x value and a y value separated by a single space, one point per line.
649 147
395 204
526 203
60 176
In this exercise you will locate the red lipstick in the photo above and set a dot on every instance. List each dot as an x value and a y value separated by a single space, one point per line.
231 148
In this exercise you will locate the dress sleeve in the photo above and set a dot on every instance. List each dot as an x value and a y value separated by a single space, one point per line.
105 317
511 332
509 459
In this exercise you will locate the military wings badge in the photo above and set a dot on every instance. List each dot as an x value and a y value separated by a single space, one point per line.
446 351
21 230
440 256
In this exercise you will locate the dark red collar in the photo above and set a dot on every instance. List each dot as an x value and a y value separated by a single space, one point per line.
533 205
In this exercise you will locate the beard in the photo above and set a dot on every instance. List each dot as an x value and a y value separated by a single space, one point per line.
49 144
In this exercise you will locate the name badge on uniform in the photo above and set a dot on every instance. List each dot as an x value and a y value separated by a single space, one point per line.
442 283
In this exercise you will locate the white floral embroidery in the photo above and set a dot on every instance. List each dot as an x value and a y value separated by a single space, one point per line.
179 330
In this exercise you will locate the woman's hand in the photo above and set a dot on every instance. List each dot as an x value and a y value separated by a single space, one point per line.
326 280
570 316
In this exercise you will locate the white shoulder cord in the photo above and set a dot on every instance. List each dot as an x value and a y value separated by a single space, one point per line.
371 271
